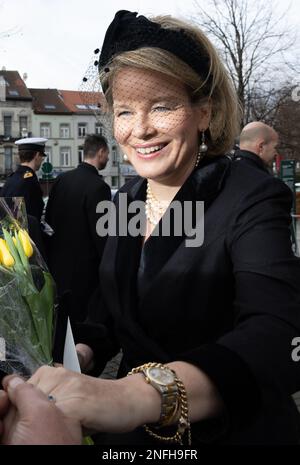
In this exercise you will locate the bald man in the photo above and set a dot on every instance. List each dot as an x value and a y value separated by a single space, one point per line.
258 143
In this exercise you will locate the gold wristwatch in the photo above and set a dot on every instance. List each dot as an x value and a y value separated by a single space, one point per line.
163 379
174 403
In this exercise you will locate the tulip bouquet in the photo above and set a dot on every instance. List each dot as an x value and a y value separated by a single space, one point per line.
27 300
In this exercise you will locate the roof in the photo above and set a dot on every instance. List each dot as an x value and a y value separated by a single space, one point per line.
16 88
48 101
83 103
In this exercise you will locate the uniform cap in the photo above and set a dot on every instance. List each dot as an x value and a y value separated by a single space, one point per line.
32 143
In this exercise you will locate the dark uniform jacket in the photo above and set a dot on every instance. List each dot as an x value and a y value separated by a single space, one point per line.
24 183
75 249
230 306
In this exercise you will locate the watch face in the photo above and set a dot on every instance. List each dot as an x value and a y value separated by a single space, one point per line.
160 375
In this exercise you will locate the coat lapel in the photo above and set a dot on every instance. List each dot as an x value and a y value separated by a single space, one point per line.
204 185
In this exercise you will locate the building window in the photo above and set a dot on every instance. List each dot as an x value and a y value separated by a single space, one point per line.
114 182
82 129
23 121
65 156
114 153
48 153
8 159
80 154
7 126
13 93
45 130
64 131
99 129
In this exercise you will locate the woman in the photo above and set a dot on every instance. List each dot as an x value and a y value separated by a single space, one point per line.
222 314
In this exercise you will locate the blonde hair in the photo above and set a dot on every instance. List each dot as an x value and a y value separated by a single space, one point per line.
217 88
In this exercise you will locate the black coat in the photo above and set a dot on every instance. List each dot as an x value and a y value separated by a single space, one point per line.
231 306
252 159
24 183
75 249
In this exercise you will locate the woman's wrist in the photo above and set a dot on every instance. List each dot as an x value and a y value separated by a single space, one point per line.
143 400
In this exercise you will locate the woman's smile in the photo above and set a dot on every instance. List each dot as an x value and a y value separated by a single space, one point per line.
149 152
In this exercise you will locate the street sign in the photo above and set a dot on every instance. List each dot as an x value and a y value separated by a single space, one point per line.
47 167
47 170
288 176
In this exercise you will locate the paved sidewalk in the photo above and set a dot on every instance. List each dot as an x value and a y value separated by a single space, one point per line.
297 399
111 369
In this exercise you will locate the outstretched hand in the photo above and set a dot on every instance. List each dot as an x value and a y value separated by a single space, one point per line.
32 419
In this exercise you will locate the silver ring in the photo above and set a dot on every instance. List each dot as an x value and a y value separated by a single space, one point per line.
51 398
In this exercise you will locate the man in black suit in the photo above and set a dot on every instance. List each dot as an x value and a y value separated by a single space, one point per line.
258 143
75 249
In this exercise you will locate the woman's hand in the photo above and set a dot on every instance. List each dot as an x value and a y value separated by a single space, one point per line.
99 404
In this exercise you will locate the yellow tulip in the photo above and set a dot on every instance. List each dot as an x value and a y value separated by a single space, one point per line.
6 257
14 241
25 241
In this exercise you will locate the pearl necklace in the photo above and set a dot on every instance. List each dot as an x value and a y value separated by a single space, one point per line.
154 208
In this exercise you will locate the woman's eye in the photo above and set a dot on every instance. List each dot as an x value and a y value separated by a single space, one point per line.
162 108
123 113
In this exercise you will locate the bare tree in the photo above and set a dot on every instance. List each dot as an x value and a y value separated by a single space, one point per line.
10 31
286 121
255 45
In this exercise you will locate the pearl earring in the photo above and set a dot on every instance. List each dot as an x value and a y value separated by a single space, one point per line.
201 150
203 147
125 158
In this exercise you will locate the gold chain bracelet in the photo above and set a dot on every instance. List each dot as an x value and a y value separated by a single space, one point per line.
183 423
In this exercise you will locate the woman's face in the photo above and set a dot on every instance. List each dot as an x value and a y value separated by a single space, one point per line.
155 124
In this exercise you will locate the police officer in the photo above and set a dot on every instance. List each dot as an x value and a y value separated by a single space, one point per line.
24 182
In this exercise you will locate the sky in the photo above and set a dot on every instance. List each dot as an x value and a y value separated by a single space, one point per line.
52 41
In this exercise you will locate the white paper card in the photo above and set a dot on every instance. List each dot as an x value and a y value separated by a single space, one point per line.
70 360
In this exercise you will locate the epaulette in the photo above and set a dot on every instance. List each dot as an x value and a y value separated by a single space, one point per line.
28 174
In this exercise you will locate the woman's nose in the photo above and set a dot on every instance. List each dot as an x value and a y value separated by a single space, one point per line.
142 127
